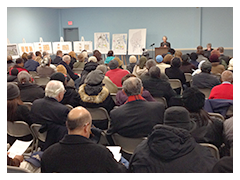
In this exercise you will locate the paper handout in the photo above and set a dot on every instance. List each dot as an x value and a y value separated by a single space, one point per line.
116 152
18 148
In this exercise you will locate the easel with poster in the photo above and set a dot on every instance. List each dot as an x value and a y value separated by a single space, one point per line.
79 46
43 46
65 47
25 47
12 50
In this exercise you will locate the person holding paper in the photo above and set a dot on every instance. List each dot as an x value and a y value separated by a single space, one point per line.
76 153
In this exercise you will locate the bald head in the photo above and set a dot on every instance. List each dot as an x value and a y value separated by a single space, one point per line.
77 119
227 76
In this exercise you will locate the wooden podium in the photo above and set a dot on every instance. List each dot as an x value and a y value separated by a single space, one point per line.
160 51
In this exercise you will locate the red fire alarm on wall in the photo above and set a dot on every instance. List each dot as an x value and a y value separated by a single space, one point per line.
70 23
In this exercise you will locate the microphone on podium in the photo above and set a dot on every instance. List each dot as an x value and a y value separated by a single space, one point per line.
152 44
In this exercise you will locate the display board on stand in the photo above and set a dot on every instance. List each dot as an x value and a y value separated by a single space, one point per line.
78 46
43 46
119 44
12 50
25 47
136 41
102 42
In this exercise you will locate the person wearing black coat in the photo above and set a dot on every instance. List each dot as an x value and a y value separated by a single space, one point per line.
136 117
50 113
171 150
76 153
65 62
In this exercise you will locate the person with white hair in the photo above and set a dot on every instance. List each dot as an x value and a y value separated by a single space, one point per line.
44 70
49 112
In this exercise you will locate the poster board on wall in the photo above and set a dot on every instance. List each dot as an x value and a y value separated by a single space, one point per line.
78 46
25 47
102 42
119 44
43 46
136 41
65 47
12 50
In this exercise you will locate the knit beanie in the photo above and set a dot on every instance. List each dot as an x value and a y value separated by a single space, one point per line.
132 59
213 58
142 62
176 62
113 64
159 58
94 77
58 76
119 61
12 91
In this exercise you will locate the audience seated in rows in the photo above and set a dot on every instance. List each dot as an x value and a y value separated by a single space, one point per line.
160 63
224 90
171 150
16 111
19 66
50 113
209 129
30 64
121 97
186 66
217 68
115 73
80 61
44 70
205 79
94 94
136 113
58 57
200 54
75 153
29 91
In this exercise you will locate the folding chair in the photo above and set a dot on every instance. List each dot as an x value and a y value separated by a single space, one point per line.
98 115
38 136
33 73
162 100
128 145
28 104
217 115
212 148
113 95
176 83
19 129
188 77
14 169
41 81
205 91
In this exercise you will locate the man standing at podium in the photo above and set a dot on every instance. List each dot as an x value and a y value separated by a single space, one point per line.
165 43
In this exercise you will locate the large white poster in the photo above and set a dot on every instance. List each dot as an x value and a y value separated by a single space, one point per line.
119 44
43 46
136 41
102 42
25 47
12 50
65 47
78 46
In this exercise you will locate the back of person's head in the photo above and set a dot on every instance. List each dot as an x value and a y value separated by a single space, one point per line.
185 58
200 50
178 53
113 64
45 61
159 58
176 62
206 67
227 76
221 49
94 78
59 52
92 59
24 77
19 61
193 56
132 86
78 118
30 55
132 59
72 54
213 58
14 72
66 58
45 53
145 53
171 51
150 63
9 58
142 62
38 53
81 57
155 72
193 99
120 62
110 53
54 88
102 67
60 68
58 77
215 51
167 59
124 78
97 54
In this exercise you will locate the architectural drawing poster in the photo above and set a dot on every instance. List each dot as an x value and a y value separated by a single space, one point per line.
43 46
12 50
119 44
25 47
65 47
136 41
102 42
78 46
